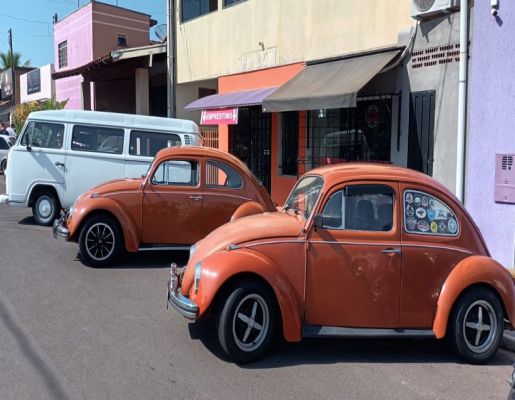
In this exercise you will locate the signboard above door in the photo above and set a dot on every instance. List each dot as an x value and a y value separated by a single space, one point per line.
223 116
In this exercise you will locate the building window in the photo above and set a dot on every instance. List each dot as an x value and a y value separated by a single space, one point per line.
191 9
231 2
62 50
341 135
289 143
121 41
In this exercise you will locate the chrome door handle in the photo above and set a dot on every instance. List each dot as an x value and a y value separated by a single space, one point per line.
196 198
391 251
59 164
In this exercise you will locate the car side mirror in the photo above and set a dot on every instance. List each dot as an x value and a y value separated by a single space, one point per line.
318 221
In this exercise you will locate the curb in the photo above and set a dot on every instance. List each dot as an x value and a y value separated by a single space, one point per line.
508 340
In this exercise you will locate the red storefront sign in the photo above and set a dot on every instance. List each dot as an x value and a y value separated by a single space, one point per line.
224 116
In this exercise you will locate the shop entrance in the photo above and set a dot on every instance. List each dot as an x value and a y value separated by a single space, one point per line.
250 141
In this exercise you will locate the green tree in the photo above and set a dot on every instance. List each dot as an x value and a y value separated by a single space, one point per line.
22 111
7 62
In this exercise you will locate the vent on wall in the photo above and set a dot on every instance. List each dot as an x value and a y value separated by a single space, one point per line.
504 178
187 140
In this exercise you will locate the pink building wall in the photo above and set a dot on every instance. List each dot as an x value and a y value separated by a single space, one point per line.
92 32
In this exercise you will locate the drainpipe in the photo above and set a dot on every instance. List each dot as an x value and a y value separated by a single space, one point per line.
462 101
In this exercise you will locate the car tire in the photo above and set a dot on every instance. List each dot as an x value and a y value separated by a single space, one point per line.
3 166
476 325
247 322
100 241
45 209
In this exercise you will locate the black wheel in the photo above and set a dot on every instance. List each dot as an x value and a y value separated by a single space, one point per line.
247 322
476 325
100 240
3 166
45 208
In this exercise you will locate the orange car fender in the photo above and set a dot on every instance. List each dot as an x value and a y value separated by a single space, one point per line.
130 233
470 271
222 266
248 208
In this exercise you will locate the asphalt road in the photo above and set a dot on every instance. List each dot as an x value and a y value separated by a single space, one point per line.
68 331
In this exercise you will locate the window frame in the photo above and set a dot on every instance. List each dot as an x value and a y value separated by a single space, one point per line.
180 185
62 54
25 134
97 127
181 12
219 186
124 37
344 191
429 233
225 5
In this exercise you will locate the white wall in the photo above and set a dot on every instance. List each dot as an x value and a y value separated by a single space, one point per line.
47 85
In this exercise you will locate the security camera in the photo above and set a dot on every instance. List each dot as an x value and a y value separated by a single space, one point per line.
495 7
494 12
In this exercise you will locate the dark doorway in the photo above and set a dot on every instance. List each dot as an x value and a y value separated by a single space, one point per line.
250 141
421 131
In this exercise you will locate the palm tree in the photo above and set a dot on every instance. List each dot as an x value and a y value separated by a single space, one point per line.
5 61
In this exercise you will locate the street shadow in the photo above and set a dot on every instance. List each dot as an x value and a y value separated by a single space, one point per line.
27 221
333 351
144 260
31 354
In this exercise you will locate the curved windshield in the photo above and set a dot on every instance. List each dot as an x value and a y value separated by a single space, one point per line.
305 195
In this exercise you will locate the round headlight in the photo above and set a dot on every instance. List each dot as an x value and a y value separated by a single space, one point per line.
196 280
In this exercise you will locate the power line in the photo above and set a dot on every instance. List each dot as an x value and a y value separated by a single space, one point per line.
24 20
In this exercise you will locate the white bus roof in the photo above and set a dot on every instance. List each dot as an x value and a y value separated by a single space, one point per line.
117 119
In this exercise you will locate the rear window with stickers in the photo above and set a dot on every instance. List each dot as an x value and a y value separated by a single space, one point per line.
426 215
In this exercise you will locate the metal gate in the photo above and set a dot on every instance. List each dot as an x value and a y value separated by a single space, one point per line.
421 131
250 141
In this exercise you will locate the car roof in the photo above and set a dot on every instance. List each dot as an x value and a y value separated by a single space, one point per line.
334 174
198 151
117 119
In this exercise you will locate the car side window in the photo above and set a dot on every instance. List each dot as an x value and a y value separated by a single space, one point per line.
97 139
221 175
3 145
44 135
176 173
147 144
360 208
424 214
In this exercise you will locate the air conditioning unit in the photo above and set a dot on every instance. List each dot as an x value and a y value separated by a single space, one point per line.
426 9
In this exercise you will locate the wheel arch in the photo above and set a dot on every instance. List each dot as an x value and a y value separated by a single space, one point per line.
109 208
40 188
474 272
244 264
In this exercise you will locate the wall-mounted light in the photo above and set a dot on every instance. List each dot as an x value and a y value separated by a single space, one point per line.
495 7
262 45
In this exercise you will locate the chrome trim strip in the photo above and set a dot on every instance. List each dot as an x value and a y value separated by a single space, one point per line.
164 248
428 246
271 242
311 331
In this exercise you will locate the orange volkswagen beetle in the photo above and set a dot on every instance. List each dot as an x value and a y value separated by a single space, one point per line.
188 192
358 250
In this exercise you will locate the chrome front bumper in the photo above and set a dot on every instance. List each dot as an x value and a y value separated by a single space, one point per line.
181 303
59 228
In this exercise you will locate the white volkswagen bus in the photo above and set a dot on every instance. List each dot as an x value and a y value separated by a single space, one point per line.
61 154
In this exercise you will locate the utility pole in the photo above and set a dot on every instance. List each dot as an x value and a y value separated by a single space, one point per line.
170 57
13 71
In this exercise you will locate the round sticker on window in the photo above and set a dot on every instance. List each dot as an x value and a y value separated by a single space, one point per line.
423 226
452 226
421 213
425 201
434 227
431 214
411 222
410 211
417 200
409 198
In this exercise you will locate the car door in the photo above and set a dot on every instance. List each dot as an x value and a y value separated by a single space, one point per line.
353 261
172 204
39 158
224 191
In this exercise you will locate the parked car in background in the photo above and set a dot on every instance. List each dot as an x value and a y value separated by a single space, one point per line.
61 154
188 192
358 250
5 145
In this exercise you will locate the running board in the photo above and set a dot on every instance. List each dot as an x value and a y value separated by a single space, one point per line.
156 247
313 331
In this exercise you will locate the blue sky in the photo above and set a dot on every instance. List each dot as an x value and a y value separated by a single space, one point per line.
34 40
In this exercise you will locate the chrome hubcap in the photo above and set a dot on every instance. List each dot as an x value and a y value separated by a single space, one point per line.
44 208
480 326
250 322
100 241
